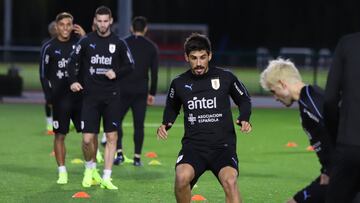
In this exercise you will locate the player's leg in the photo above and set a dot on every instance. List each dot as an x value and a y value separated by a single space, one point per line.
224 164
111 125
61 128
90 124
189 167
124 105
345 176
313 193
138 110
49 119
228 178
184 175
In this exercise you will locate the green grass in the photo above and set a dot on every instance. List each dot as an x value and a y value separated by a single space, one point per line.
249 76
269 171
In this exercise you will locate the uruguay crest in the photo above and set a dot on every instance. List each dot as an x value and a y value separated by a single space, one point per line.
215 83
112 48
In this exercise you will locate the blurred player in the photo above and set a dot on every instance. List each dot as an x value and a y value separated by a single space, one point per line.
48 111
283 80
66 105
135 91
209 142
102 58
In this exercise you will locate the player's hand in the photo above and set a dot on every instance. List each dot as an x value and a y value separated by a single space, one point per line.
324 179
150 100
162 132
110 74
78 30
245 126
76 87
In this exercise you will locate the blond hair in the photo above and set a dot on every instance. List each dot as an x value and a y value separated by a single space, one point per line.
279 69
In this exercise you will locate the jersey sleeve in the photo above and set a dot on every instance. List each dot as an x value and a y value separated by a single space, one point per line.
126 61
173 105
74 63
154 68
241 98
44 71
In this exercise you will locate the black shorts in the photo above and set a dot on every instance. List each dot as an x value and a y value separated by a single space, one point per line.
95 107
313 193
64 109
209 159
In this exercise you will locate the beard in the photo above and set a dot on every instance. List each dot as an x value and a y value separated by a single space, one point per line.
102 30
199 70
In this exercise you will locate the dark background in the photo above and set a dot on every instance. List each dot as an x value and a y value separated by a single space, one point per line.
233 24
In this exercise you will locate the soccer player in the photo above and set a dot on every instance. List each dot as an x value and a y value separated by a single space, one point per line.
341 112
48 111
283 80
102 58
66 105
135 91
209 142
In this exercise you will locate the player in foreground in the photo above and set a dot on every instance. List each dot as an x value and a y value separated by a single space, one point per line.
209 142
283 80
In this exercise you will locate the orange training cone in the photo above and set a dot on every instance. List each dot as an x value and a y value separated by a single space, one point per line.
197 198
291 144
81 195
151 155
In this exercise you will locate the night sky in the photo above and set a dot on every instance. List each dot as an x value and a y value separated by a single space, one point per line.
233 24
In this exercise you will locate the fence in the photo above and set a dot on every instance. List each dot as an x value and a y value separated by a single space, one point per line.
247 65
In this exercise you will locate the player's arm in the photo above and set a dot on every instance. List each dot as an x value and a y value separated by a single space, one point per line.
333 91
79 30
171 111
241 98
126 62
44 72
73 66
154 68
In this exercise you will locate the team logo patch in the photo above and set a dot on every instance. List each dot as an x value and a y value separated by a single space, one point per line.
47 58
172 93
215 83
56 124
112 48
78 48
179 158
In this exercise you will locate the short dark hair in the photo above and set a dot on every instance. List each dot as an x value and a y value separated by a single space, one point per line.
197 42
63 15
139 23
103 10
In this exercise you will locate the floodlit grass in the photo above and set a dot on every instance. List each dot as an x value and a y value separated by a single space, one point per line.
269 171
249 76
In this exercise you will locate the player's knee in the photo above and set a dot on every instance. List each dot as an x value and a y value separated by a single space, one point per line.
87 141
59 137
182 180
111 138
229 182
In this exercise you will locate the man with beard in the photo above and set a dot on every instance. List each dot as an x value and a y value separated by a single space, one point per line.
53 75
102 58
209 142
283 80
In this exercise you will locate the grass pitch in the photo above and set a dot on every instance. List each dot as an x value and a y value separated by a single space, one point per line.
269 171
